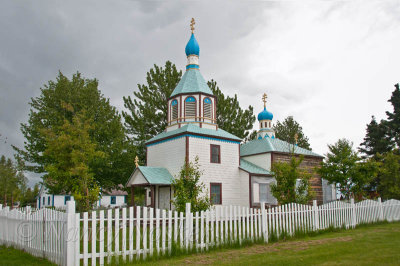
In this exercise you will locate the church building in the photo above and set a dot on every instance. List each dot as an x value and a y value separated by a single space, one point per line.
234 173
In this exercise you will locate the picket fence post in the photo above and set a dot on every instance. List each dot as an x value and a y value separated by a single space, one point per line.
353 213
70 239
187 225
316 217
264 226
380 209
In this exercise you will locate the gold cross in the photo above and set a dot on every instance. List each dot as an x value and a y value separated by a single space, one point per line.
192 22
264 98
136 161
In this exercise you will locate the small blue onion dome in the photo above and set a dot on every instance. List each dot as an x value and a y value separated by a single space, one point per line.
265 115
192 47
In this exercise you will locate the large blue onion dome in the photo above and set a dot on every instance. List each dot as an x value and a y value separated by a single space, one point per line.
265 115
192 47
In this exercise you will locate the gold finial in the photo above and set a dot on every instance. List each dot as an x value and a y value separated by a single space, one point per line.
136 161
264 99
296 138
192 22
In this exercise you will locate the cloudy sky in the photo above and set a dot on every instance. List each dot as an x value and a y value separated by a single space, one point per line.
330 64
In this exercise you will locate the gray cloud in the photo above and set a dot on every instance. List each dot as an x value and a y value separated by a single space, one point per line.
330 64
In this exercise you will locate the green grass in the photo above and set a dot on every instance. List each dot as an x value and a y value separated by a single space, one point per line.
377 244
11 256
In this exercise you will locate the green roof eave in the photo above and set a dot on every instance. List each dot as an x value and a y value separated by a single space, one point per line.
252 168
156 175
266 145
192 82
194 130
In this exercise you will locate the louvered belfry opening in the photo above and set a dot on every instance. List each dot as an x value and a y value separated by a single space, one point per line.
190 107
207 108
174 110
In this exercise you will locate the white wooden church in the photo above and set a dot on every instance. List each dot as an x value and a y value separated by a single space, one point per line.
234 173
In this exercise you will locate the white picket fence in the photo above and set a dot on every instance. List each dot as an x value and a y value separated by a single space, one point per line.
38 232
135 233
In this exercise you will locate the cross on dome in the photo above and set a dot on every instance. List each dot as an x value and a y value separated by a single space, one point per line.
264 98
192 22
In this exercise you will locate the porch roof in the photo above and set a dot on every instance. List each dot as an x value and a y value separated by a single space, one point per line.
151 175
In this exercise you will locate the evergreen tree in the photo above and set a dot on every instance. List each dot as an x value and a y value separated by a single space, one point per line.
12 181
376 140
48 111
287 131
146 114
230 116
394 117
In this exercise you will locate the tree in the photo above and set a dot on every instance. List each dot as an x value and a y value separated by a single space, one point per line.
188 188
12 180
230 116
48 112
292 182
376 139
71 152
341 167
146 114
287 131
394 117
389 171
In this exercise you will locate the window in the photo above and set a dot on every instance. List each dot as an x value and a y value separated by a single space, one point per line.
264 188
216 193
190 107
174 110
44 201
207 109
215 151
126 199
48 200
66 198
113 200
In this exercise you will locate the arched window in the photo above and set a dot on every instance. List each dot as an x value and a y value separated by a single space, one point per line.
190 107
207 108
174 110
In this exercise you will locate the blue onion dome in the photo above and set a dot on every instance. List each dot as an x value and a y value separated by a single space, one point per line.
265 115
192 47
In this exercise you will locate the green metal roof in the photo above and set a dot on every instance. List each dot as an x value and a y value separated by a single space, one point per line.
191 128
192 81
270 145
252 168
156 175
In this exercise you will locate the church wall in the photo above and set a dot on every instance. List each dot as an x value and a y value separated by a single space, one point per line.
262 160
308 163
227 172
169 154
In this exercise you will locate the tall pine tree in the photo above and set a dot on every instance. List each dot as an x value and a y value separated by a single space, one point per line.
394 117
376 140
146 114
287 131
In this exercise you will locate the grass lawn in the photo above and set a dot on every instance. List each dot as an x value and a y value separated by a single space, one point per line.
11 256
366 245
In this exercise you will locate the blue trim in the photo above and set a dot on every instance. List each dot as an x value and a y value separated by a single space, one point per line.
174 102
207 100
113 198
53 201
194 136
192 66
190 100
